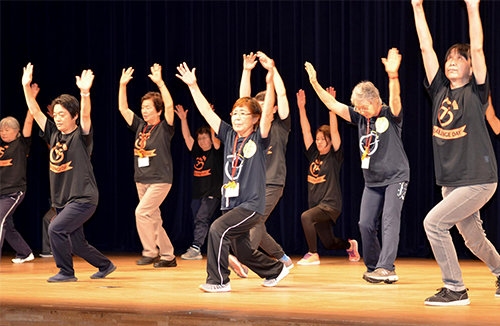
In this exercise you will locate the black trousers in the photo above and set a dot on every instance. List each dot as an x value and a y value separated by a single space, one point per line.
8 204
232 230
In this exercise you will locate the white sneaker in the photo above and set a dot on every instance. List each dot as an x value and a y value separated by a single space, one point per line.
273 281
23 260
214 288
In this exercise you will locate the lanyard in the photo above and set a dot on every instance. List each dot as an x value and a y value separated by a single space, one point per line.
149 133
145 136
234 164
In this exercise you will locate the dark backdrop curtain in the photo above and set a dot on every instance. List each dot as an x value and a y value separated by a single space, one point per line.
343 39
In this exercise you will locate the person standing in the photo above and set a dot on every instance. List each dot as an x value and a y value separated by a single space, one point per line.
464 161
73 186
153 168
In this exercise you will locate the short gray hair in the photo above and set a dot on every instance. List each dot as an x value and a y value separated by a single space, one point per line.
365 91
10 122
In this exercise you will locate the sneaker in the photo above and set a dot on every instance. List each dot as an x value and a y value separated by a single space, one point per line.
287 261
46 255
353 251
309 259
62 278
165 263
237 267
19 260
214 288
146 260
497 293
273 281
192 254
447 297
102 274
381 275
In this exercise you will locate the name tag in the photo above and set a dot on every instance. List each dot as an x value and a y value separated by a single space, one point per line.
365 163
232 189
143 162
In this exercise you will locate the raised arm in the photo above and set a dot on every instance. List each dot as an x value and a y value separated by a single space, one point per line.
304 122
84 83
28 121
476 41
182 114
283 106
431 62
189 78
215 140
492 117
249 63
165 94
127 114
331 103
33 106
392 63
334 131
267 110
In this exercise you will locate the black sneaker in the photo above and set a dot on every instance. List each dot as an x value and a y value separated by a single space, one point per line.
165 263
497 294
146 260
447 297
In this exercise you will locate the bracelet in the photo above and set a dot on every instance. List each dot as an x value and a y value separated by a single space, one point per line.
394 77
85 94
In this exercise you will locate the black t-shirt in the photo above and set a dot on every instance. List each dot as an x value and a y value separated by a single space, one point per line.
275 160
323 178
249 171
13 165
71 174
463 154
152 157
207 171
388 163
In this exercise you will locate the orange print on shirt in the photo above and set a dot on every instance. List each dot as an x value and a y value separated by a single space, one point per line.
314 169
56 156
445 118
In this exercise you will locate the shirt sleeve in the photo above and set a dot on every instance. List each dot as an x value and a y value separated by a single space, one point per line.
439 81
311 152
483 90
354 115
224 129
47 131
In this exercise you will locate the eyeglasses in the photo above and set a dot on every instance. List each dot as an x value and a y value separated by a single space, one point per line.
240 113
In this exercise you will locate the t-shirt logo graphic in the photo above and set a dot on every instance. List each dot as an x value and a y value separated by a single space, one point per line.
445 118
199 163
239 163
249 149
314 169
4 162
56 156
364 140
270 150
140 144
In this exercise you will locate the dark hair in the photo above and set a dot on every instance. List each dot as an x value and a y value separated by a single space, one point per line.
462 48
156 98
202 130
325 130
251 104
69 102
261 96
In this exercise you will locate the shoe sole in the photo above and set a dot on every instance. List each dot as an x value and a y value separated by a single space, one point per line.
284 272
23 261
104 275
497 295
73 279
376 280
192 258
452 303
308 264
212 291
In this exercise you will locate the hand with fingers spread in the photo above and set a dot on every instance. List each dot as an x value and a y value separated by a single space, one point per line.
84 82
265 61
126 76
249 61
311 72
186 75
392 62
35 89
155 75
181 113
331 91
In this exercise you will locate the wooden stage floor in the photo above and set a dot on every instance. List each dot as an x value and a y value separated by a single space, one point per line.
332 293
